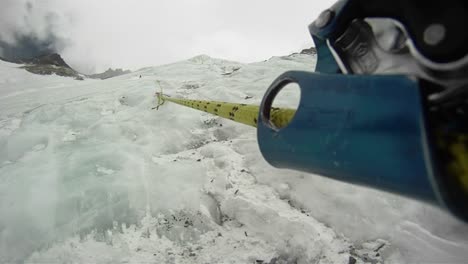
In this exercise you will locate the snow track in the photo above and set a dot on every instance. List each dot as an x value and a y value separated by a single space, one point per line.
90 174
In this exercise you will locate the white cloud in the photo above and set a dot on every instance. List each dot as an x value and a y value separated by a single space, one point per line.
134 34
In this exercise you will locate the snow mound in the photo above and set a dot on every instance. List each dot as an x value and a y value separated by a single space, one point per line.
201 59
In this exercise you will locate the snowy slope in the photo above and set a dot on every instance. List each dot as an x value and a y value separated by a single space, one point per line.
90 174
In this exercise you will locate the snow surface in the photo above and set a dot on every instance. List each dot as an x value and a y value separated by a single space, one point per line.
90 174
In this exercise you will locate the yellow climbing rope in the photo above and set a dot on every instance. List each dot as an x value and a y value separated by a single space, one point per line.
241 113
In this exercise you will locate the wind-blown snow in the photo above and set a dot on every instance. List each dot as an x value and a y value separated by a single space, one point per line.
89 173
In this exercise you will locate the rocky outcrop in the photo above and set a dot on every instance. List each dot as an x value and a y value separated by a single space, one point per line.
48 64
49 69
109 74
47 59
309 51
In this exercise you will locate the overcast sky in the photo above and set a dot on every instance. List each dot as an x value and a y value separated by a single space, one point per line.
93 35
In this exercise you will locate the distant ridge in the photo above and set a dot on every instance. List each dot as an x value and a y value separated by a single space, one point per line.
53 63
50 64
47 64
108 74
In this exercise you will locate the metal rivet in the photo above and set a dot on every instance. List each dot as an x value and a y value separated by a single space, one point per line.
434 34
324 18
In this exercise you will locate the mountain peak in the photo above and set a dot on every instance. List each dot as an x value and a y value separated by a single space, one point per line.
48 59
109 73
48 64
200 58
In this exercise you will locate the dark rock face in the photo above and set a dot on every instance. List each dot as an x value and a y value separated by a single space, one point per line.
49 64
309 51
49 69
53 63
47 59
312 51
108 74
